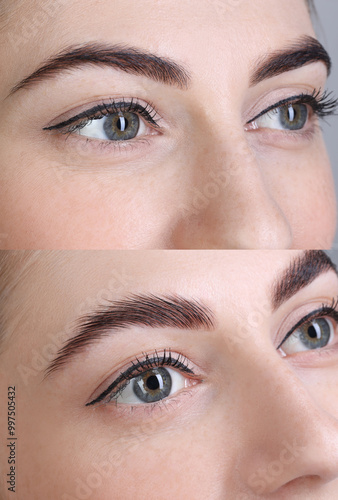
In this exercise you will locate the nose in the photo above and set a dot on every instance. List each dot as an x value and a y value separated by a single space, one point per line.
292 441
232 206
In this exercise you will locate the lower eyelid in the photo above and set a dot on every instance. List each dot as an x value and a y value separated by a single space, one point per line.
159 408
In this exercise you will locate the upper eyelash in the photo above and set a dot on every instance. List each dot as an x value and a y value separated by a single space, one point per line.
325 310
322 104
167 359
114 106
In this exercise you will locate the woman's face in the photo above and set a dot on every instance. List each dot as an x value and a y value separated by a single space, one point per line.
181 160
220 404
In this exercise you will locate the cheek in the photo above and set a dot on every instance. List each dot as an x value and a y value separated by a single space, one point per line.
63 210
82 466
318 207
304 189
64 207
322 386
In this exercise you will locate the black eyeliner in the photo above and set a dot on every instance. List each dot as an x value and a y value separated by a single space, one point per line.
324 105
323 311
141 367
104 109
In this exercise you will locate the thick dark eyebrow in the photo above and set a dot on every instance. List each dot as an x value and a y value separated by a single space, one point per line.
122 57
304 51
302 271
142 310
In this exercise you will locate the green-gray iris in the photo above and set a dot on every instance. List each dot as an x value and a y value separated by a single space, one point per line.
293 117
315 334
121 126
153 385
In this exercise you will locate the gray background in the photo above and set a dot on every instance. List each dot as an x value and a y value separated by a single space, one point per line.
333 254
327 32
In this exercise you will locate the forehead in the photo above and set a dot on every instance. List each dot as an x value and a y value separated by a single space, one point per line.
170 28
61 278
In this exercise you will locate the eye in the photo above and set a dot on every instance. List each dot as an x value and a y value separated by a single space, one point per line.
121 126
113 122
295 112
291 117
314 334
151 386
148 380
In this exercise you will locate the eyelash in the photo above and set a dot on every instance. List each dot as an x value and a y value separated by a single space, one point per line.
71 126
325 310
322 105
137 367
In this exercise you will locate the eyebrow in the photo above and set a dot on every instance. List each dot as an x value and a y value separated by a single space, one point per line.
302 52
122 57
164 70
302 271
137 310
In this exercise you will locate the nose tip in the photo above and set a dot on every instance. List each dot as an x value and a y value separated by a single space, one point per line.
263 226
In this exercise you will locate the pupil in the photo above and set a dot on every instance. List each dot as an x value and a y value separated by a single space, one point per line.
153 383
122 124
312 332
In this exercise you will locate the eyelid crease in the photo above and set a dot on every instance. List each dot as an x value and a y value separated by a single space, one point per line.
325 310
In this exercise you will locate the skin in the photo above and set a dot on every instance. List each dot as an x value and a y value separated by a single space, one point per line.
272 189
224 437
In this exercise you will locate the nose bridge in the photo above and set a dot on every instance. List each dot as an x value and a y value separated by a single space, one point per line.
289 436
232 206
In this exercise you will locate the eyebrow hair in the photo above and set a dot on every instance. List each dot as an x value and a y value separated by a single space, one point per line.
302 271
304 51
142 310
122 57
164 70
